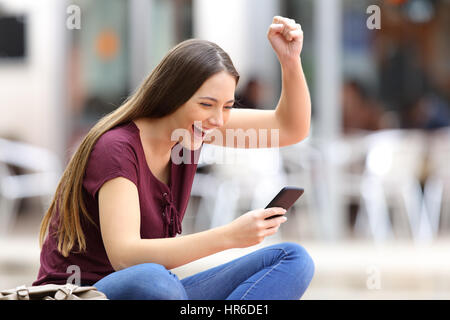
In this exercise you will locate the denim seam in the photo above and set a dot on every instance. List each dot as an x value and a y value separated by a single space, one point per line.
211 276
231 265
285 256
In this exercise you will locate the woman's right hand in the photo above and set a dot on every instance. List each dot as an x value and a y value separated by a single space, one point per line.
251 228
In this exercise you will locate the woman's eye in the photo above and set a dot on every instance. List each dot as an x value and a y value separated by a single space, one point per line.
210 105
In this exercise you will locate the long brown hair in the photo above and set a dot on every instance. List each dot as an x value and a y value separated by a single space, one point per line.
174 80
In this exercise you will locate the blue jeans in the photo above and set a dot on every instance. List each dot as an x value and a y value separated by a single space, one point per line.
278 272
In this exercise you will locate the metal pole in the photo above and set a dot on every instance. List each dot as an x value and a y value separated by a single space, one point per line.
327 122
139 37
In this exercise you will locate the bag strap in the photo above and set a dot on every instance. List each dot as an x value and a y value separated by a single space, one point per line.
65 292
18 293
22 293
52 292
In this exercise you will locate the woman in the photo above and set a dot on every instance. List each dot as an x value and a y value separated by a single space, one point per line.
121 200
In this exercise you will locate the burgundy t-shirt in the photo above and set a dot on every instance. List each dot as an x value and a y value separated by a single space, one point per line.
119 153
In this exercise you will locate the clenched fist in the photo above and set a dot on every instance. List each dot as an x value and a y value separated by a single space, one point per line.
286 38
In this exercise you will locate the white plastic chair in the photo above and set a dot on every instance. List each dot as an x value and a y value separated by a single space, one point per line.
391 180
437 183
43 173
304 164
241 180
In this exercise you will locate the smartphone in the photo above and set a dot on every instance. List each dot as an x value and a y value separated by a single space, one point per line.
285 199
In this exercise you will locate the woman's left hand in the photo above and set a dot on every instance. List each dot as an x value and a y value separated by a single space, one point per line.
286 38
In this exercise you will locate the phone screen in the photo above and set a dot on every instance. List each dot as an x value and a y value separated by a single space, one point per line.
285 199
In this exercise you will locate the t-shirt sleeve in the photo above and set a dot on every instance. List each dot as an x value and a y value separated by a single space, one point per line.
110 158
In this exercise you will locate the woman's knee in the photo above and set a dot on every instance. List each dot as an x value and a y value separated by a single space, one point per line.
160 283
301 261
150 281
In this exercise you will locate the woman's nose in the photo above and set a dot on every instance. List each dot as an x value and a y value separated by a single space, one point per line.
216 119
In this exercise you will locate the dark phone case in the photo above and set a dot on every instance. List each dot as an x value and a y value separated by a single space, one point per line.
285 199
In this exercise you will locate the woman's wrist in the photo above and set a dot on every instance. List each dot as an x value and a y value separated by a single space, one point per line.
225 237
290 64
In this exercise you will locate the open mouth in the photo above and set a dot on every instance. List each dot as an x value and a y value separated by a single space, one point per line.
198 132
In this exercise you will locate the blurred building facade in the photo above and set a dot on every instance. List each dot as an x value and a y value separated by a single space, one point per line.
362 80
375 166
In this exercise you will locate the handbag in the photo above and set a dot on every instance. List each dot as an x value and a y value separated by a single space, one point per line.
67 291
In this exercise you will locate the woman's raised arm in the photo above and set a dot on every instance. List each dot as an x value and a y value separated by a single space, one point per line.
292 115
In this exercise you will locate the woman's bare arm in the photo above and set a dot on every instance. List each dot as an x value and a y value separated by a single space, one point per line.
120 228
292 115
